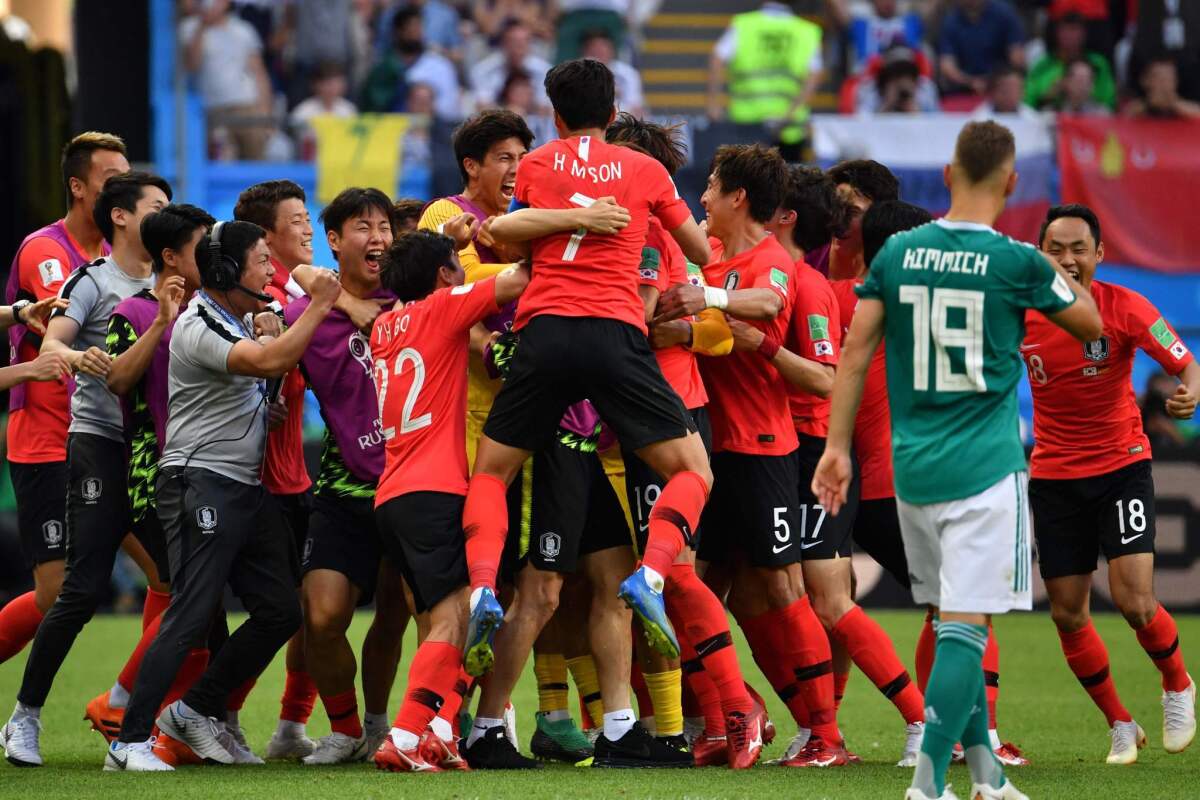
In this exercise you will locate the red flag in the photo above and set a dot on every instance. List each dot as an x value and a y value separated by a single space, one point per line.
1142 178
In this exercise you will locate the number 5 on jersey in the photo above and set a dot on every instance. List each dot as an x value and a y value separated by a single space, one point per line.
407 423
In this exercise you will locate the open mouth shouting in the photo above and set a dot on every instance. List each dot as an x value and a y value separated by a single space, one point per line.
372 260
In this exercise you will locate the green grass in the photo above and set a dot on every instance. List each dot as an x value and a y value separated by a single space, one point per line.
1042 709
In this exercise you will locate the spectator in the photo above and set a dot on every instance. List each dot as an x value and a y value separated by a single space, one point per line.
517 94
1005 95
319 33
599 44
773 58
406 212
417 149
978 36
1160 93
491 17
409 62
1044 84
879 24
489 75
328 98
1102 20
224 54
1168 28
578 17
897 86
1077 90
439 20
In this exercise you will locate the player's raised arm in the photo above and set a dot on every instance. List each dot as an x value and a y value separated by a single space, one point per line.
511 283
524 224
275 358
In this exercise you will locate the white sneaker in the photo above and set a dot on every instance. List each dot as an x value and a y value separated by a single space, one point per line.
914 732
375 738
134 757
797 744
197 731
234 740
984 791
336 748
913 793
510 725
1179 718
1127 739
19 739
289 744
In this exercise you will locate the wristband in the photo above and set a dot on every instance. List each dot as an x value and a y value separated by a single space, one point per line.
769 347
715 297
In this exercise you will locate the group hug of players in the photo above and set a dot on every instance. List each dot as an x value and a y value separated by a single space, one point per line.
644 403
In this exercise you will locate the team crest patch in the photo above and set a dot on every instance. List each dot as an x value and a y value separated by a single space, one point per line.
92 489
1096 350
550 545
731 281
52 532
206 518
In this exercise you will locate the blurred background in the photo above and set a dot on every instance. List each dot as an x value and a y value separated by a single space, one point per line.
215 95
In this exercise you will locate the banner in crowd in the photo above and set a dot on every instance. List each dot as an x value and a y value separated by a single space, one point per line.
1140 176
358 151
917 147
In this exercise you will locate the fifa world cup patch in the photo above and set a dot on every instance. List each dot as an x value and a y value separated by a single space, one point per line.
50 271
779 279
1162 332
651 261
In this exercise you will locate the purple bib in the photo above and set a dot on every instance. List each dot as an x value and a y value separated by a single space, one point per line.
141 311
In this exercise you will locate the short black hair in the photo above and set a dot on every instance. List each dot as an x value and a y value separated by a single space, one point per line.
757 169
820 213
869 178
171 228
354 202
259 202
237 238
403 16
77 155
1078 210
123 191
411 264
477 134
582 93
404 211
886 218
663 143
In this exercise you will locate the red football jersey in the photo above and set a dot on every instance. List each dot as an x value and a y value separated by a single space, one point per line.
1086 419
420 353
816 334
284 469
748 399
873 425
678 363
584 274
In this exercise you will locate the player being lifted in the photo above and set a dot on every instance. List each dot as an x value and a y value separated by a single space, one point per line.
1091 488
582 327
951 297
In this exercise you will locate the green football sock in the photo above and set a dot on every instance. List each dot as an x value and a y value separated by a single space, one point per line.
977 745
955 684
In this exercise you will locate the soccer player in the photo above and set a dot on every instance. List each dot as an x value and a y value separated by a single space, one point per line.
748 543
97 494
222 526
420 351
40 412
341 556
860 182
935 290
697 614
1091 487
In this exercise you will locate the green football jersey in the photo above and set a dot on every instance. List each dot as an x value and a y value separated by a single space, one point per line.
955 295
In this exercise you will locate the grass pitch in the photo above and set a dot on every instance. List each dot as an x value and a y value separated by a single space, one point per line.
1042 709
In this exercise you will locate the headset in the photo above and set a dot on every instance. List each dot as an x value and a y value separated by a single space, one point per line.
224 272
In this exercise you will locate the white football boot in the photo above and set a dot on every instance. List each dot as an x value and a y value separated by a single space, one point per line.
1127 739
1179 719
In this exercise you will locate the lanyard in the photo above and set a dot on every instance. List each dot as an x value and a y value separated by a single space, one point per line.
225 315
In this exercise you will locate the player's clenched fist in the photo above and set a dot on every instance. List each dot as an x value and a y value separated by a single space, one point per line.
461 229
49 367
325 289
680 301
831 480
1182 404
93 361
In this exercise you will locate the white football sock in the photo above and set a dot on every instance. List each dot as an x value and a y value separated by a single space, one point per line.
404 740
481 726
442 728
118 697
618 723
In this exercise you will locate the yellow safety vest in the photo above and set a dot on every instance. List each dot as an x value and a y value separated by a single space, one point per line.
769 69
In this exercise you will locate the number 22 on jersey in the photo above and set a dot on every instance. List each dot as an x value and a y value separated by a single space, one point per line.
382 376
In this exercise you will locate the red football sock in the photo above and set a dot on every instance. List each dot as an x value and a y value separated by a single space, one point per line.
1088 659
19 621
926 645
774 666
673 520
189 672
299 695
432 677
453 702
699 685
153 606
801 639
237 698
991 675
871 649
706 628
840 679
637 682
1160 639
342 710
688 703
129 672
485 525
585 719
